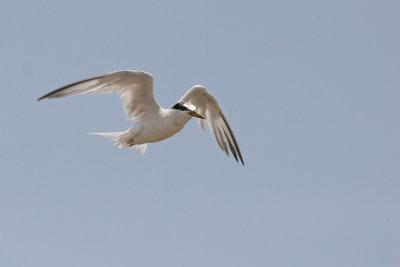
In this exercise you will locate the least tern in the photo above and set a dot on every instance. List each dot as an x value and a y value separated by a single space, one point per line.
154 123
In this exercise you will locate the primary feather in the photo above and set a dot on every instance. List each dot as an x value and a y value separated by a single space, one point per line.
134 87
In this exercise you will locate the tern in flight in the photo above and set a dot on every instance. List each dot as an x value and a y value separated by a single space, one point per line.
154 123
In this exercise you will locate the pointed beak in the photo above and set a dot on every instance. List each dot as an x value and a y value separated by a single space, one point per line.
194 114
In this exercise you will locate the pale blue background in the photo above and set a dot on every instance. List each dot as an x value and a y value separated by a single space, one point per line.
311 89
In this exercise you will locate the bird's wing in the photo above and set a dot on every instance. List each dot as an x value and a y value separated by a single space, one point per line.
134 87
207 106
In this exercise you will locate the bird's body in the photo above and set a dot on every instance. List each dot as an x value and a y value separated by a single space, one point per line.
154 128
154 123
167 123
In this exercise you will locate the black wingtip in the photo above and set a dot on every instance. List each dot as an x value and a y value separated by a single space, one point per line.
241 160
46 95
235 144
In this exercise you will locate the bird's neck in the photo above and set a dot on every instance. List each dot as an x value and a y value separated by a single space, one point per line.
177 117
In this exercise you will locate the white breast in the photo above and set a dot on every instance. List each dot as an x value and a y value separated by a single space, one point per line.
159 127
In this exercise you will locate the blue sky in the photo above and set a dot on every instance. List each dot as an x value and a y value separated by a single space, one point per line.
310 89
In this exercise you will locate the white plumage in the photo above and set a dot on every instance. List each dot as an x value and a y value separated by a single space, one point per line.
154 123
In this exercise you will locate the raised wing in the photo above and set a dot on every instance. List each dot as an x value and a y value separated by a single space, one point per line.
207 106
134 87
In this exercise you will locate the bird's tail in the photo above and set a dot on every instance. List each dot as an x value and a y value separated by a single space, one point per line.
122 140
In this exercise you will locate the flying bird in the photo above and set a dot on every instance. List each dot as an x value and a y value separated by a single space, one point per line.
154 123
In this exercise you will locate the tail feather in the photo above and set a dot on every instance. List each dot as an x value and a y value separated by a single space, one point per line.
122 140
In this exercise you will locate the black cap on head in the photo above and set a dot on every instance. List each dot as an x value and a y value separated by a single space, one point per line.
184 106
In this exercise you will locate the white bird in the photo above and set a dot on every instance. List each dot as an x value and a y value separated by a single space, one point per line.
154 123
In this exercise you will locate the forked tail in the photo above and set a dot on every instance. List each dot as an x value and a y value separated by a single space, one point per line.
122 140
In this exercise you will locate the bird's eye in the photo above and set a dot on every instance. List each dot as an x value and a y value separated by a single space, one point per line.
180 106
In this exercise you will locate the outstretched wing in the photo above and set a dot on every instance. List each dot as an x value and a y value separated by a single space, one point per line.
134 87
207 106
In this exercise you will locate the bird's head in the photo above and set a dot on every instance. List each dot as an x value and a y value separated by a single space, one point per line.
188 109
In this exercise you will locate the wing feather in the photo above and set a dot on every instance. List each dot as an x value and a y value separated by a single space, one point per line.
134 87
219 137
208 107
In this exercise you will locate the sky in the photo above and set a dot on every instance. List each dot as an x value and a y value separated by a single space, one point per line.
310 88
